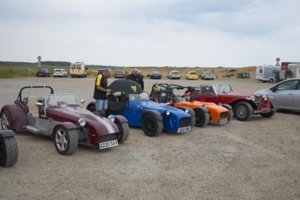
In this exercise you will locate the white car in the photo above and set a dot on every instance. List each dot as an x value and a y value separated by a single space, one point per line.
60 73
174 74
207 76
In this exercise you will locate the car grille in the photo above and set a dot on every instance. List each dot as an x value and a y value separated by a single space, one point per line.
223 115
108 137
184 122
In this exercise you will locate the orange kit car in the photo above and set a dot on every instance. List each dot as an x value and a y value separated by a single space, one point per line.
205 112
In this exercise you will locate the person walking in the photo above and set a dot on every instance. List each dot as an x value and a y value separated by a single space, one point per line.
100 92
134 76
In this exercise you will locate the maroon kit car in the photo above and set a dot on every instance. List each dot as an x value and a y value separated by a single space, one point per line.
244 105
60 117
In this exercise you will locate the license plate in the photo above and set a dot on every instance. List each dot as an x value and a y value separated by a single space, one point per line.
183 129
108 144
223 121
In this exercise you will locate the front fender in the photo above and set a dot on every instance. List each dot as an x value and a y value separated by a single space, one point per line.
66 125
156 114
7 133
190 111
121 119
17 115
227 106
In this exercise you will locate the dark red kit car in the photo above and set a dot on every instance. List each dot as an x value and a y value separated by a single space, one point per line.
60 117
244 105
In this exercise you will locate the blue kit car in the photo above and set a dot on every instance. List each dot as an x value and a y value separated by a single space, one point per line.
140 111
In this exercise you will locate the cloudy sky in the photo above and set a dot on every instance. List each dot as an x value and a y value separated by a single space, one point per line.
183 33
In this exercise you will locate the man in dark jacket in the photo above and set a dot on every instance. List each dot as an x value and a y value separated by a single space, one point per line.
134 76
100 91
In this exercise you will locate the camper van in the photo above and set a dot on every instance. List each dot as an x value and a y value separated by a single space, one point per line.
78 69
266 73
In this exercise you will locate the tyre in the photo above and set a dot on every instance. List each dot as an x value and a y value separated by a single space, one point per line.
271 80
151 126
123 131
229 108
8 151
92 108
5 120
65 141
202 117
193 117
270 114
243 111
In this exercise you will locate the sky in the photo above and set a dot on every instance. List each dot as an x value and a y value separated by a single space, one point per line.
182 33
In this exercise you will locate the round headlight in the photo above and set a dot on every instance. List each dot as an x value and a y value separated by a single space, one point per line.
82 122
252 98
167 112
112 118
265 97
186 110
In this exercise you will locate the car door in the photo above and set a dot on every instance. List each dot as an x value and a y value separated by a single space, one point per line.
284 94
296 97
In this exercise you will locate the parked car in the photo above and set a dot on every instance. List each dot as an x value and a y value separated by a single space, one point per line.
43 72
244 105
207 76
60 117
155 75
205 112
120 74
60 73
286 94
173 74
8 148
191 75
130 101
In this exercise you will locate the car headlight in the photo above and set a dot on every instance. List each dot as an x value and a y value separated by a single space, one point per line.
186 110
167 112
112 118
265 97
82 122
252 98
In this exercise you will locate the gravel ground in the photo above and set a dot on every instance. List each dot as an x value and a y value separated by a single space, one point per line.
257 159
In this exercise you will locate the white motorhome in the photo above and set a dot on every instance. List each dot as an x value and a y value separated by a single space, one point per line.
266 73
78 69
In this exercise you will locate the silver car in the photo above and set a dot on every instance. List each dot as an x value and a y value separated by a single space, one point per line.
286 94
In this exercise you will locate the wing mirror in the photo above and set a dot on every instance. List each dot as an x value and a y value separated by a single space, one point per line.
273 89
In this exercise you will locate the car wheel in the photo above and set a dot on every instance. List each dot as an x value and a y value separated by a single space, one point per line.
243 111
92 108
65 141
270 114
151 126
5 120
229 108
193 117
202 117
8 151
271 80
123 131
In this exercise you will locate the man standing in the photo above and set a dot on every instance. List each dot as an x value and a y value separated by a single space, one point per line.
100 91
134 76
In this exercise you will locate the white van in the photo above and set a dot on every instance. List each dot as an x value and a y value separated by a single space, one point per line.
78 69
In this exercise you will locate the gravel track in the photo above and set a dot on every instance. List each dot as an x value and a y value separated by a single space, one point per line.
256 159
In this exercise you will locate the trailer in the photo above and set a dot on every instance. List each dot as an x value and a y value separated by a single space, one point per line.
266 73
293 71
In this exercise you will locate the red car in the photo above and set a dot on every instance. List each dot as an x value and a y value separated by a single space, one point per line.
244 105
60 117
